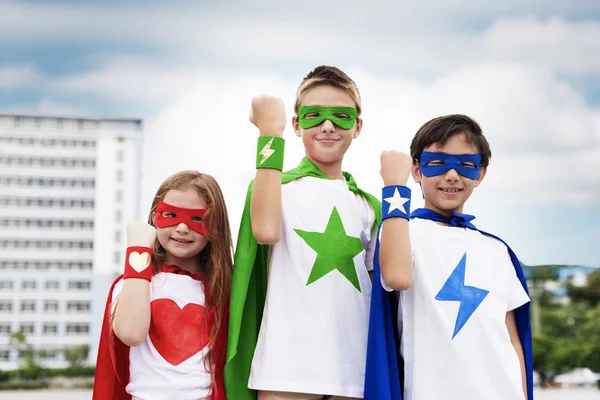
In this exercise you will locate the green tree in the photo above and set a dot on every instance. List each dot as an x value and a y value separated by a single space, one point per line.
589 331
570 337
18 342
76 355
537 276
590 293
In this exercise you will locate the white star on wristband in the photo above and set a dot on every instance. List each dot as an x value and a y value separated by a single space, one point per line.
396 202
266 151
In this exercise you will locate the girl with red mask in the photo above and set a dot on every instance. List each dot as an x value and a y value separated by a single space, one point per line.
165 325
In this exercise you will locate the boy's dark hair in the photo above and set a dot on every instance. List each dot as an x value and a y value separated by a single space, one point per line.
332 76
440 129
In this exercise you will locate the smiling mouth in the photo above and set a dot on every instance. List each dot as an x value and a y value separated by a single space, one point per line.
184 241
450 190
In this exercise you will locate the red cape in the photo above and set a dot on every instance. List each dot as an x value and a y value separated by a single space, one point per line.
112 365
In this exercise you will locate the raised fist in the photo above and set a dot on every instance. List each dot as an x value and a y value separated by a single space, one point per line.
268 115
395 167
140 234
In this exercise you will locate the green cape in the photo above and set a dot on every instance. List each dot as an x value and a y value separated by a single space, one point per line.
249 287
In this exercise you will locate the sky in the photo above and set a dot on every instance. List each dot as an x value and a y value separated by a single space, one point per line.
528 72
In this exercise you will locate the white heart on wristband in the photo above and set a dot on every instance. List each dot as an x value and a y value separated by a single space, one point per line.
138 261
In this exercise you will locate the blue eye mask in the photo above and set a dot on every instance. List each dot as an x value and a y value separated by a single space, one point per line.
468 165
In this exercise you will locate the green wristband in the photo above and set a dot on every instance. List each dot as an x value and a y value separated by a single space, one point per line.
270 152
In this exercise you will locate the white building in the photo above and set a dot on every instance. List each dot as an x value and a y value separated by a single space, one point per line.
67 188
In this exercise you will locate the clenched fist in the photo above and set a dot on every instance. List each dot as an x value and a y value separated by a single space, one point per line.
268 115
140 234
395 167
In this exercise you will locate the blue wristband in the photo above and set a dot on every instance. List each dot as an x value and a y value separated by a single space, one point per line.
395 202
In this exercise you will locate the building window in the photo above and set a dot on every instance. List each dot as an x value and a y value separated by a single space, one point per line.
4 355
119 176
28 306
80 285
118 216
44 181
43 244
27 328
4 329
51 306
117 257
48 354
78 306
118 237
28 285
50 329
52 285
77 328
5 306
6 285
31 161
119 196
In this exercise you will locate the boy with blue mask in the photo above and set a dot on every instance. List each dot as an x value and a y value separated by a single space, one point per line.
461 330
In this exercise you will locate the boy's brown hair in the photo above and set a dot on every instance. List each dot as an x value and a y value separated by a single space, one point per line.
331 76
440 129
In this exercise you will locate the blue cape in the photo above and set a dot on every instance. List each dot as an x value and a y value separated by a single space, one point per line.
383 380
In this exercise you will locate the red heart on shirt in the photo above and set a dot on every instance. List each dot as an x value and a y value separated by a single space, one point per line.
178 333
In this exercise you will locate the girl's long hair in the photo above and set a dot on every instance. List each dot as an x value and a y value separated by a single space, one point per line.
216 260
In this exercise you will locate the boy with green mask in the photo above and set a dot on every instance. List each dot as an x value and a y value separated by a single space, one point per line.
309 232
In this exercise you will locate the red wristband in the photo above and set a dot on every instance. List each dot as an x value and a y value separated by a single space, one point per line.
138 263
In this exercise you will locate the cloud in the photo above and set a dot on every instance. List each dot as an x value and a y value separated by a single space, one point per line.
17 76
541 47
505 76
48 107
208 129
567 47
448 8
545 138
421 38
87 23
130 80
510 64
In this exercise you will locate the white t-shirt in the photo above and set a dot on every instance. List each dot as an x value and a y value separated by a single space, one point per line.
450 354
170 363
313 335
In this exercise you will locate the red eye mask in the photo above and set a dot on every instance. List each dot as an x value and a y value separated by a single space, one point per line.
168 215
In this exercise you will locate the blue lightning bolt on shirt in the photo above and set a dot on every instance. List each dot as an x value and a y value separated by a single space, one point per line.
446 336
469 297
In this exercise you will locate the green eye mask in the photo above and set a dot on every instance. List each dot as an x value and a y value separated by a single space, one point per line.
344 117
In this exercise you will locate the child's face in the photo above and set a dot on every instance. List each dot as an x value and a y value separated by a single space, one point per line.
326 142
180 242
448 192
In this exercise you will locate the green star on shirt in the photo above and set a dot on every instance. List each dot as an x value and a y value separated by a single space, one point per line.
335 250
